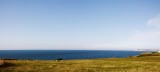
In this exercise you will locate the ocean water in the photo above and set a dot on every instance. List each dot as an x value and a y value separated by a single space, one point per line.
65 54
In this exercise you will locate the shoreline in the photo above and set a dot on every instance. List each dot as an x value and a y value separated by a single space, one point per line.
128 64
140 63
143 54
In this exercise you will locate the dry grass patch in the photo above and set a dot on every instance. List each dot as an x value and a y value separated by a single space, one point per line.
136 64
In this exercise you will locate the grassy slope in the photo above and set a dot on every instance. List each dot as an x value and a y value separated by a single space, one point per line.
135 64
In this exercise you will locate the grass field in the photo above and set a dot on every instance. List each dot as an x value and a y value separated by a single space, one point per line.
133 64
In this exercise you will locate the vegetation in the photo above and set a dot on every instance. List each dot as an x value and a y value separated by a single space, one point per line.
130 64
149 54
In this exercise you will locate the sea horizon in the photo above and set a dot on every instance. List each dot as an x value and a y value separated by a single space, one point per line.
65 54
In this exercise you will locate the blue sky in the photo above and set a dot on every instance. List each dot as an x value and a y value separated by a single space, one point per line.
80 24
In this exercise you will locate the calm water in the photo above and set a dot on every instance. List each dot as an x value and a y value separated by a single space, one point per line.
65 54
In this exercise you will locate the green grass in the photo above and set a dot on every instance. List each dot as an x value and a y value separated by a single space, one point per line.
133 64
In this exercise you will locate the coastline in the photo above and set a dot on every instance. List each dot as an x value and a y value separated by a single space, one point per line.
129 64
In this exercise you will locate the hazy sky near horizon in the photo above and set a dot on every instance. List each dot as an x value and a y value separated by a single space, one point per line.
79 24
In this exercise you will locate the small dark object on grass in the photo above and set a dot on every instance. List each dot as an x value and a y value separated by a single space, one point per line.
130 56
59 59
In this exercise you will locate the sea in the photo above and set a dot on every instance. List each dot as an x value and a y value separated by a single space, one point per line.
65 54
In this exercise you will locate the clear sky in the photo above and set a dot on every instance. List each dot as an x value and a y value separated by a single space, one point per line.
80 24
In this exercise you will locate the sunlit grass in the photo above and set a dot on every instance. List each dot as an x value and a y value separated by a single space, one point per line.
134 64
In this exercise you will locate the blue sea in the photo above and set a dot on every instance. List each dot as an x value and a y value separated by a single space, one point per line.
65 54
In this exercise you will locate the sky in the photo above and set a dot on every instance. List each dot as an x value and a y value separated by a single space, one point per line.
79 24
